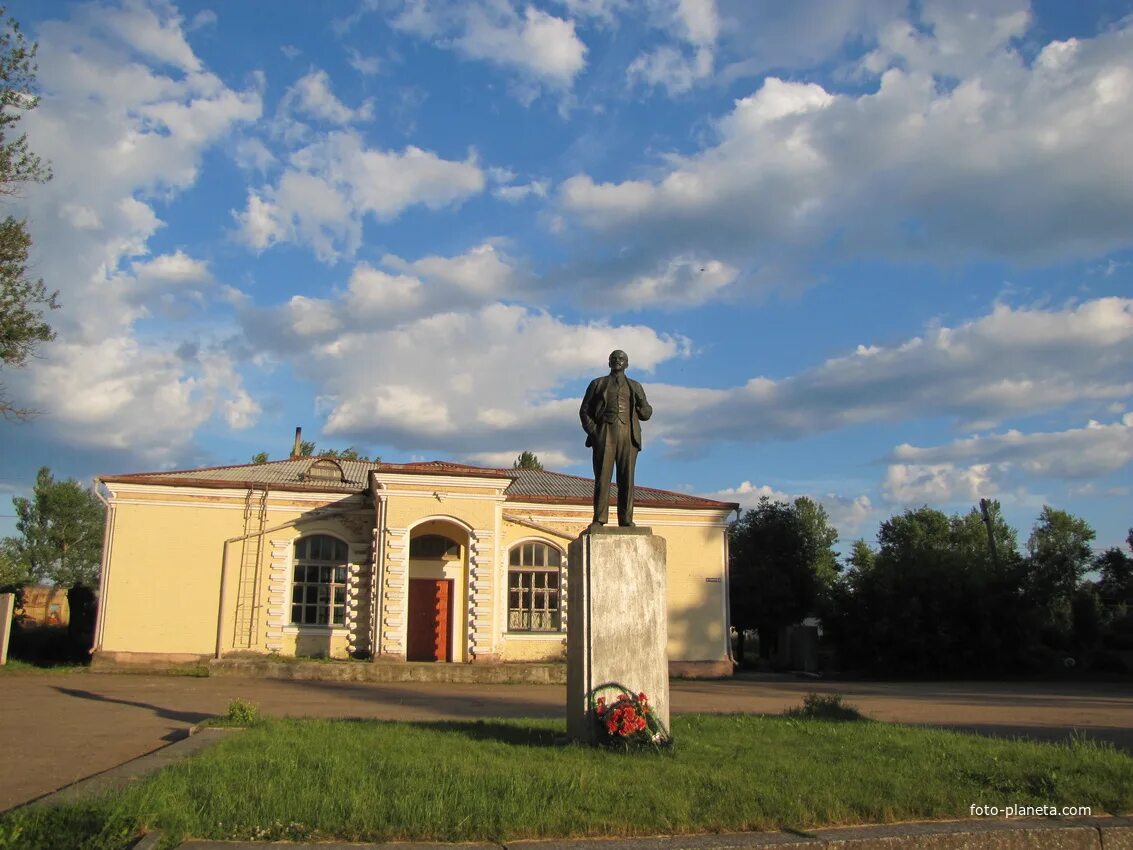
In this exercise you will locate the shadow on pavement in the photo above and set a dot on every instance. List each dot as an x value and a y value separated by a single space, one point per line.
164 713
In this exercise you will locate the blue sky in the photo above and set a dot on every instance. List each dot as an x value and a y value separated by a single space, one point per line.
874 252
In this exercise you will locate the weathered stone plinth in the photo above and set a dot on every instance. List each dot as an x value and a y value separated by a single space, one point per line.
617 627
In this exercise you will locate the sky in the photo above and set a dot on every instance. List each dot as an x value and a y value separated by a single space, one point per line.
873 252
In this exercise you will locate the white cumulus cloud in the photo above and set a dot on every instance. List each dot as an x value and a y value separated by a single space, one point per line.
312 97
542 50
1094 450
946 156
1011 362
332 184
127 113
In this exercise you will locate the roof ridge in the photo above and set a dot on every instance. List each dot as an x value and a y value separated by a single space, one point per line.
534 484
239 466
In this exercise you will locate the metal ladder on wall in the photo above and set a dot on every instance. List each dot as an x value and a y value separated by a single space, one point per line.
248 584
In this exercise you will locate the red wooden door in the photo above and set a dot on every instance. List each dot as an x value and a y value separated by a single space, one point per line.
430 618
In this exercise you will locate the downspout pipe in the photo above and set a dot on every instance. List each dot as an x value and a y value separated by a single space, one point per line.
103 567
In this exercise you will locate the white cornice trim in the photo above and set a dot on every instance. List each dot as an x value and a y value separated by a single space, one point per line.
444 494
691 516
441 482
232 493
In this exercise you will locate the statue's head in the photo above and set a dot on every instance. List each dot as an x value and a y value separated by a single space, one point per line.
619 360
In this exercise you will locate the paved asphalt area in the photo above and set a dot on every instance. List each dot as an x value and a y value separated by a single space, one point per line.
68 726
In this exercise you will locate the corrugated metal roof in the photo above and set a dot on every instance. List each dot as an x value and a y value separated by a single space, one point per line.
544 485
534 485
286 474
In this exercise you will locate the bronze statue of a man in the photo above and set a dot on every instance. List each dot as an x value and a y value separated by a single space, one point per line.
612 411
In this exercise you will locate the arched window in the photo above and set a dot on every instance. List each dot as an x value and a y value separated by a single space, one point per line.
433 547
318 590
534 580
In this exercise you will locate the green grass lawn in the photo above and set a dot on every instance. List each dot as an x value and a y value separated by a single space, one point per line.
15 665
509 779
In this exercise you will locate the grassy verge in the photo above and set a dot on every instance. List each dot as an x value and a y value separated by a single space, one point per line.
501 780
16 665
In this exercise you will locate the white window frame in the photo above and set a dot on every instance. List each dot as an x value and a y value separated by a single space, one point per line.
529 591
334 566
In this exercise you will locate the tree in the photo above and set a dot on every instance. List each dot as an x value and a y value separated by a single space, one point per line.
1059 549
349 453
12 571
61 532
260 457
23 301
932 598
971 541
1116 570
307 448
777 551
861 557
527 460
820 539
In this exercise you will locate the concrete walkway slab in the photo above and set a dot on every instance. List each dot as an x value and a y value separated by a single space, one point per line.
119 777
1085 834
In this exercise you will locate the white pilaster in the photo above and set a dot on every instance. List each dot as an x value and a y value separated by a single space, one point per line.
394 595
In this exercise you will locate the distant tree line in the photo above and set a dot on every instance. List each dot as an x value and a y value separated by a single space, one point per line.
307 449
938 594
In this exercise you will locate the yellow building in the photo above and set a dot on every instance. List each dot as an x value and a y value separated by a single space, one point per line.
419 561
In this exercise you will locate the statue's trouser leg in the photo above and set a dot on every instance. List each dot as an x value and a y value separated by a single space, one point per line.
626 459
604 458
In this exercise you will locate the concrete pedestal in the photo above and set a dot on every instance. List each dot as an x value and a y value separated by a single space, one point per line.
617 626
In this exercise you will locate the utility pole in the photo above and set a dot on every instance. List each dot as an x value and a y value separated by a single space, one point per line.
984 510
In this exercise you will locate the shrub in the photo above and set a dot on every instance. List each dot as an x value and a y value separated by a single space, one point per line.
825 707
243 713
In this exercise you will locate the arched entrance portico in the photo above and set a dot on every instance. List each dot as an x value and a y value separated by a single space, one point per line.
438 587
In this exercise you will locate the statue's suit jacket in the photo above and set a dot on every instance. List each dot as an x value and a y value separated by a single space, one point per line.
593 412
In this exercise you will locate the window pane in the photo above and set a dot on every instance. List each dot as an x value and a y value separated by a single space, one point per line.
339 550
300 572
554 557
309 615
340 575
301 548
297 613
339 616
513 557
321 616
297 594
340 596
